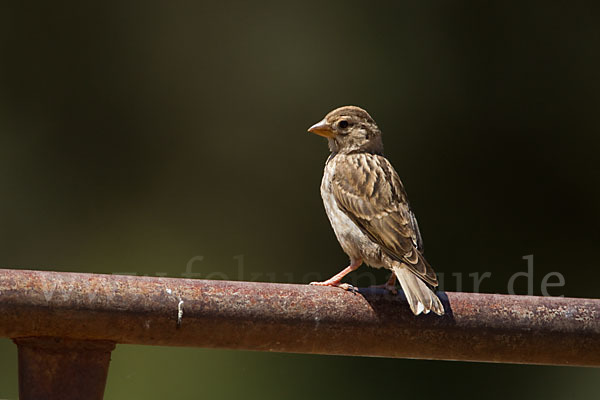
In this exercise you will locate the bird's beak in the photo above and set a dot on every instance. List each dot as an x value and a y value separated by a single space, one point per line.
322 128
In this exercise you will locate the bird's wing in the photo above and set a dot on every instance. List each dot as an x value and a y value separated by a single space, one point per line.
368 189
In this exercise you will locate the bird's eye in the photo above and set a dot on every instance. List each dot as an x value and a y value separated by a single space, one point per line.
343 124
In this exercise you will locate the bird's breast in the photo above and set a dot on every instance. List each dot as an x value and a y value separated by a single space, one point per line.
352 239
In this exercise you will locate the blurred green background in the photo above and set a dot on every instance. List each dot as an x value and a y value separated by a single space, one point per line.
137 136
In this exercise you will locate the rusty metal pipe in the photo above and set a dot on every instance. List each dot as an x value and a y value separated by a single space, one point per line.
297 318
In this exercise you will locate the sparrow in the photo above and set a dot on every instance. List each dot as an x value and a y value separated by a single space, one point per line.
368 209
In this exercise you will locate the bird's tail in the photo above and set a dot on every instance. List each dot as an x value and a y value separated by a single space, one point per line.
421 298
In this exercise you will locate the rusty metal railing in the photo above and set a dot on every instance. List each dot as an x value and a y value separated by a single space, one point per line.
68 323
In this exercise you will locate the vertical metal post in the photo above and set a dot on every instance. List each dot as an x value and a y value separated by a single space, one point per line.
58 368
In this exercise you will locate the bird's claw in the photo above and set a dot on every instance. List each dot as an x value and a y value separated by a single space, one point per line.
346 286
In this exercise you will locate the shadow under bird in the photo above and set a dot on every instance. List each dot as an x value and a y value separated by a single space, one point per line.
369 211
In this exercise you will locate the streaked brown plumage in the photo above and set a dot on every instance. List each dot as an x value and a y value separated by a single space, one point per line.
369 210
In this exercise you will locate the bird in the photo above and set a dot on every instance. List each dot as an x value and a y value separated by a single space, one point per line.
369 211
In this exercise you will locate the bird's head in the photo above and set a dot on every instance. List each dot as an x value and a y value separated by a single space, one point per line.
350 129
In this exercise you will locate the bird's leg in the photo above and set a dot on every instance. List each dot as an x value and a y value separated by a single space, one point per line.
390 285
337 278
